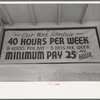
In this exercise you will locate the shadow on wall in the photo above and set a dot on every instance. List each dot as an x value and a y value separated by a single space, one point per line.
61 75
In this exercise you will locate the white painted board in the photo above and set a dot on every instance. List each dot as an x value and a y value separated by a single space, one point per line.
51 45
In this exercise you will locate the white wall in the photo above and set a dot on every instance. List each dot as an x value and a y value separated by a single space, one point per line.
38 72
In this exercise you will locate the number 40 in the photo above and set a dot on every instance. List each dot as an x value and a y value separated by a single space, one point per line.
13 41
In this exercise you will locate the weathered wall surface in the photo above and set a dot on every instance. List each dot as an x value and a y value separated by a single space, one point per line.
51 72
0 35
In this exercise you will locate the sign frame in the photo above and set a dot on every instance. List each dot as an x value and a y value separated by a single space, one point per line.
54 28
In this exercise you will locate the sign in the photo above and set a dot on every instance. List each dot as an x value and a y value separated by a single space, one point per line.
51 45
